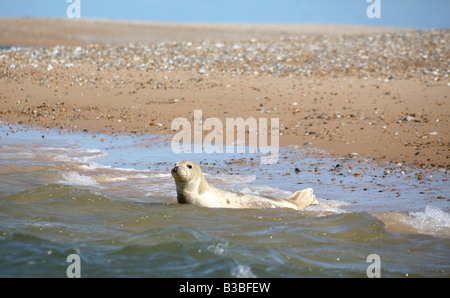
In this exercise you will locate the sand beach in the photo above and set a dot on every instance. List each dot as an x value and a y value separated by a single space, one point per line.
378 92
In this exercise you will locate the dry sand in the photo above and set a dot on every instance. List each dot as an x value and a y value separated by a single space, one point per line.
379 92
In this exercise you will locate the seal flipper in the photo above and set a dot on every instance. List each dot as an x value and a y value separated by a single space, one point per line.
303 198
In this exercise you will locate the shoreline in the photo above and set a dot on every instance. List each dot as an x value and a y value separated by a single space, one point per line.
377 93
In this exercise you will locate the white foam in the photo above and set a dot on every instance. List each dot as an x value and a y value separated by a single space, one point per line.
74 178
79 157
96 156
75 151
431 220
219 248
234 179
74 155
121 178
140 176
130 170
54 149
106 179
332 206
242 271
65 158
93 166
161 175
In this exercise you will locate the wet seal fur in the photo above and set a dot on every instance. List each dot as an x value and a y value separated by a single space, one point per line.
192 188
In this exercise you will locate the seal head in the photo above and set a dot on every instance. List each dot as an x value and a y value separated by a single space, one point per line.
189 180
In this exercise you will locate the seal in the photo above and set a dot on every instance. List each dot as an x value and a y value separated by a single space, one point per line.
192 188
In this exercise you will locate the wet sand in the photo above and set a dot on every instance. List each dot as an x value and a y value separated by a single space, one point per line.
376 92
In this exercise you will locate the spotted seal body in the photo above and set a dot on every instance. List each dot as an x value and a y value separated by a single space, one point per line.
192 188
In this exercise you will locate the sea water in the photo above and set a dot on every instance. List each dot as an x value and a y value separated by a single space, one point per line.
111 200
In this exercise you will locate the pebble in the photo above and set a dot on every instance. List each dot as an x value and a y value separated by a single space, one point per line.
286 57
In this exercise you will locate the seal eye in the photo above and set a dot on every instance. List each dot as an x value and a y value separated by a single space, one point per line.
189 166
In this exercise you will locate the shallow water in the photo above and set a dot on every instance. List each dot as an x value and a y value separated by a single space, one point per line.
112 201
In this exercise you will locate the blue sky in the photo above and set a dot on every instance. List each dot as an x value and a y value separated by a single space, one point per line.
424 14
